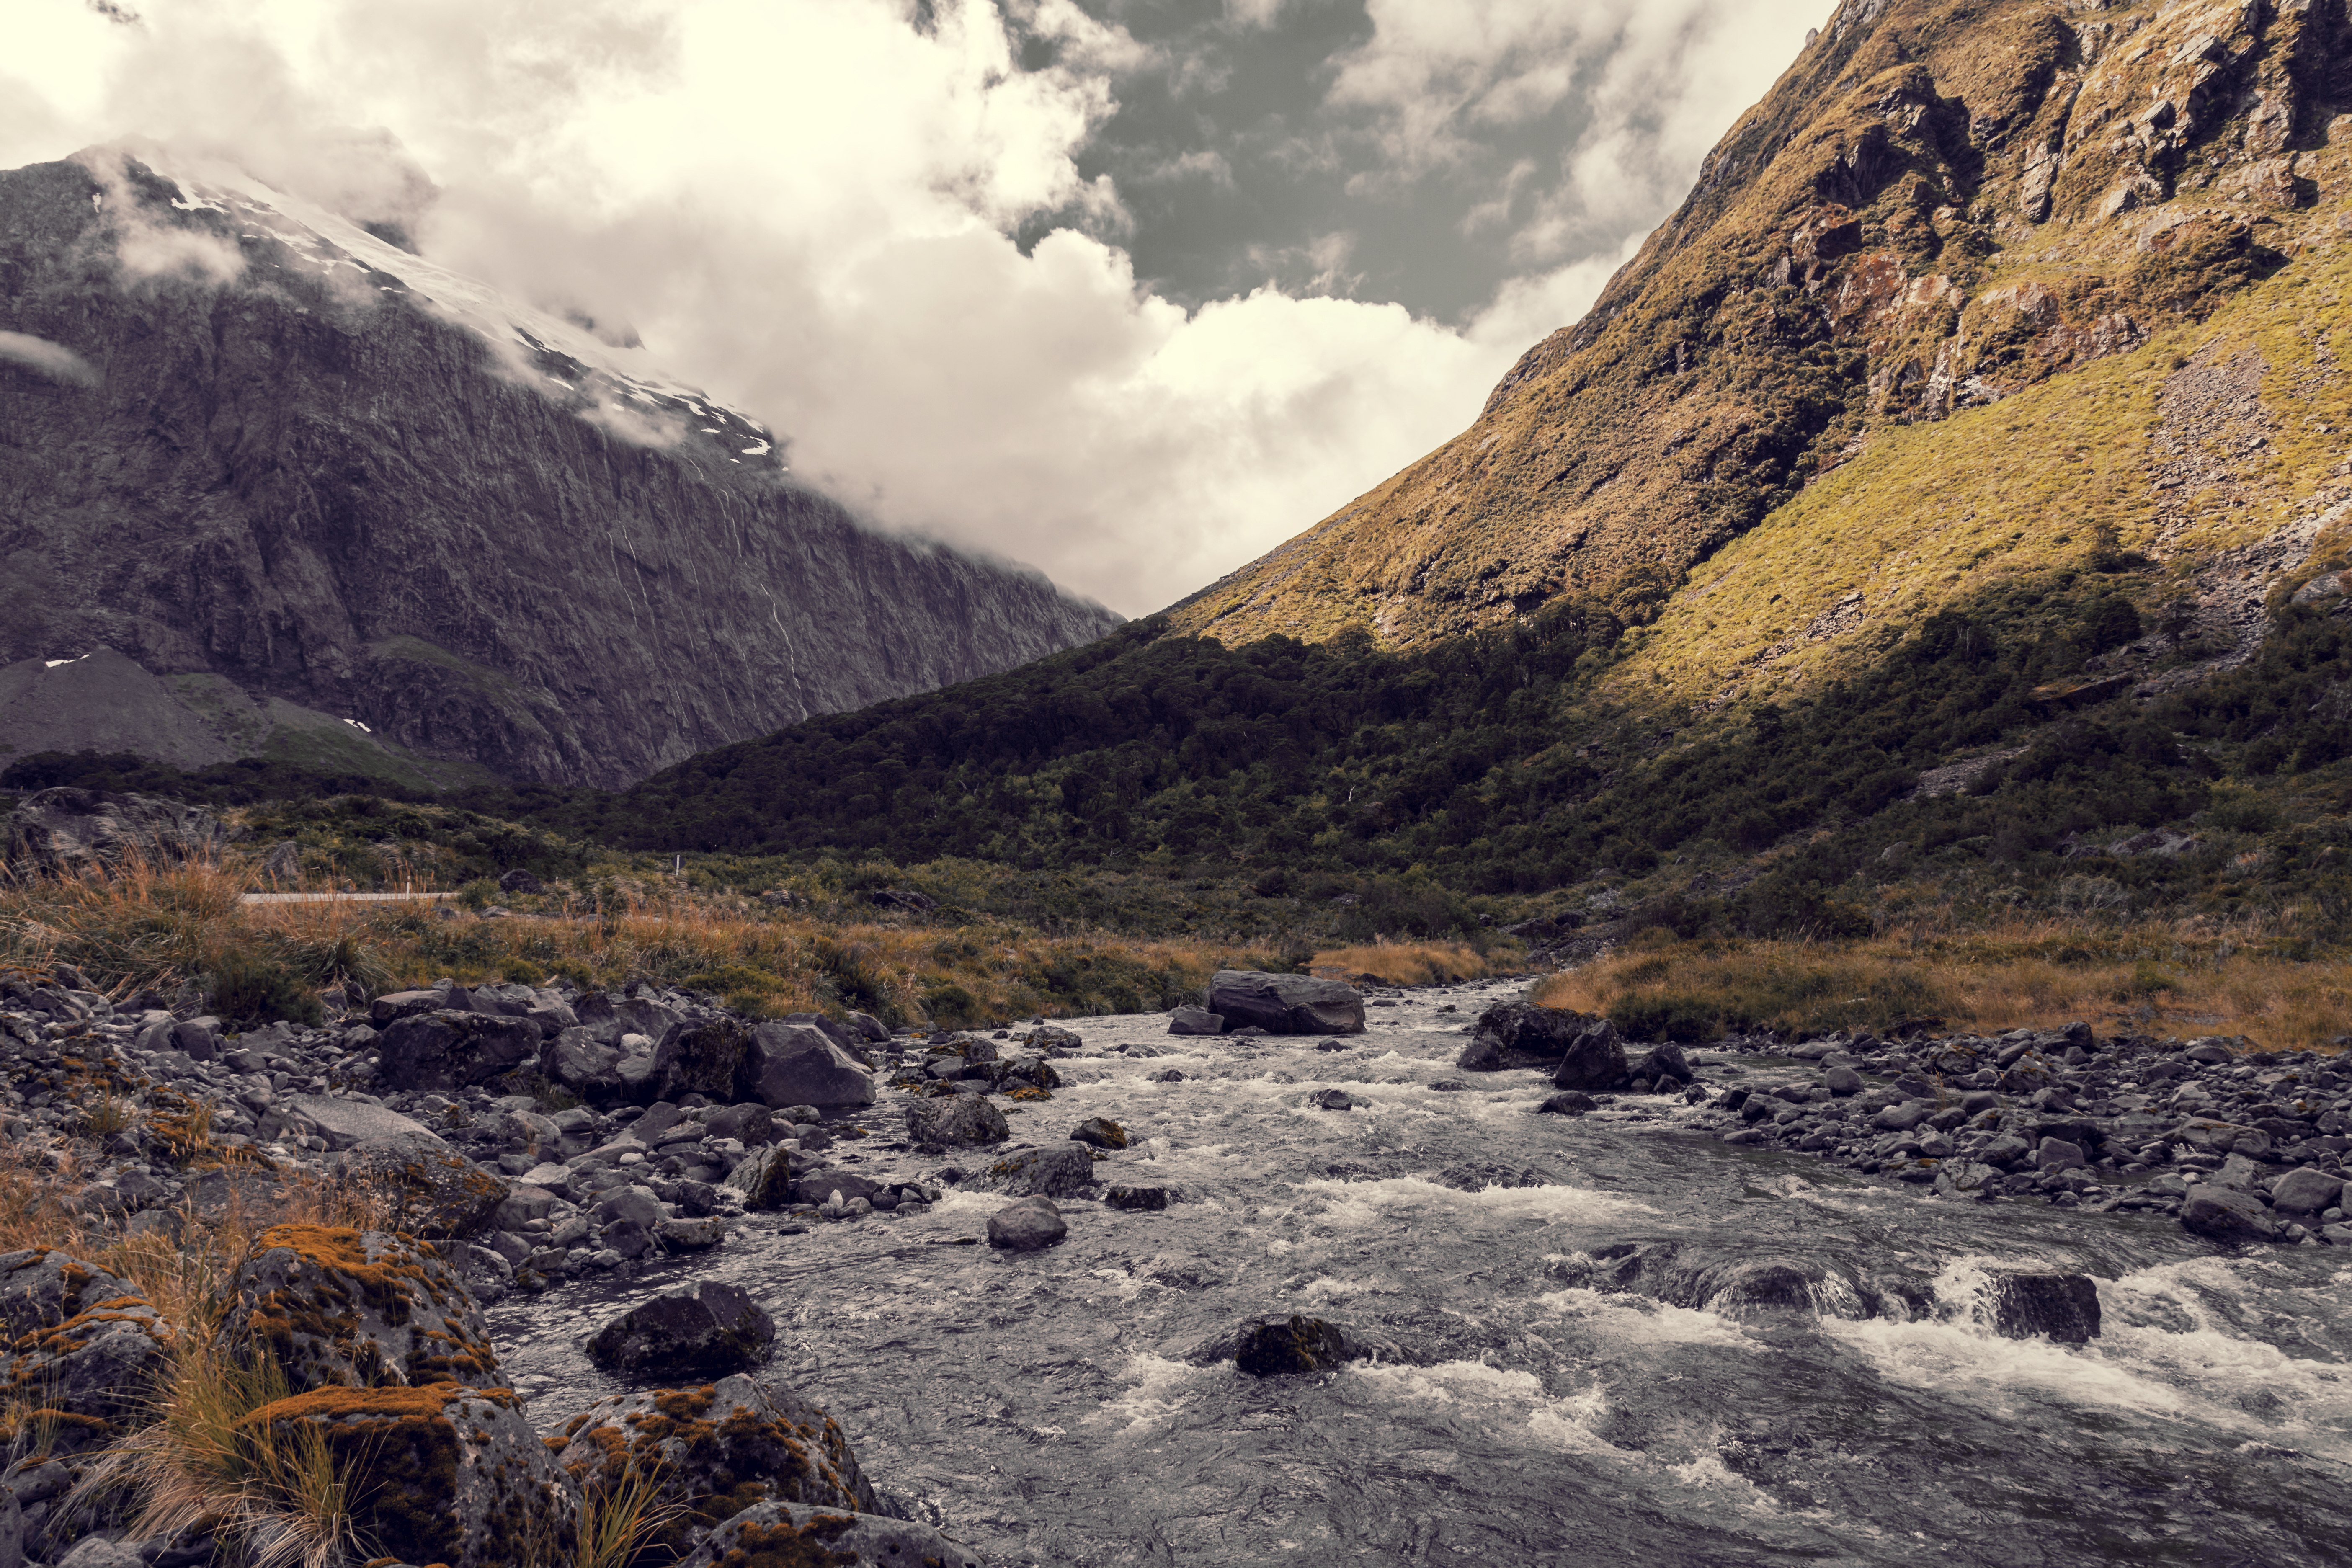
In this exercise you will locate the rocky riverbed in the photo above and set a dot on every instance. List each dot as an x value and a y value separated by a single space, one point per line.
1664 1323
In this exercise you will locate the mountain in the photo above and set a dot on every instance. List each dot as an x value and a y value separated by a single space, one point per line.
270 483
1980 286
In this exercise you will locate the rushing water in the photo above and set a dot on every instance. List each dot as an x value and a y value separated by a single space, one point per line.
1042 1407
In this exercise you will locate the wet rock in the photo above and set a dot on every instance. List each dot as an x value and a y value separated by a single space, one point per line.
966 1121
794 1064
1275 1347
1841 1081
1137 1199
1904 1117
1518 1035
1190 1020
441 1474
1573 1102
1965 1178
1062 1170
752 1124
2225 1214
2060 1307
788 1533
712 1451
1333 1099
87 1354
1663 1066
708 1329
1285 1004
432 1191
1101 1132
1027 1226
707 1059
764 1178
1169 1076
363 1309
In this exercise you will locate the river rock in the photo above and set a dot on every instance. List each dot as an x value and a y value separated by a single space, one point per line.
1663 1065
2225 1214
347 1123
794 1064
1514 1035
1594 1057
1333 1099
1271 1347
1190 1020
1058 1170
434 1191
363 1309
1101 1132
448 1050
2060 1307
2057 1154
780 1534
1137 1199
764 1177
1285 1004
1841 1081
714 1450
1027 1226
2307 1191
708 1329
965 1122
706 1058
1904 1117
441 1474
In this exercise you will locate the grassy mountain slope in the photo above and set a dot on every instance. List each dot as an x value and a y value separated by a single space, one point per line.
1943 204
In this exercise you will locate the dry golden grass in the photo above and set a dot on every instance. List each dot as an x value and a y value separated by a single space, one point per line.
1416 963
2146 981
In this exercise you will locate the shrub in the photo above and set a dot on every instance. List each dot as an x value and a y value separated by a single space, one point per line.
248 989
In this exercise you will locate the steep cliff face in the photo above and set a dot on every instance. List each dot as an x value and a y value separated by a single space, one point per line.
1942 204
242 439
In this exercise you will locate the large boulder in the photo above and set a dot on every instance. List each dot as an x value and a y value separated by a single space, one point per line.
70 831
2307 1191
713 1451
782 1534
1190 1020
433 1190
704 1058
442 1474
578 1061
86 1355
796 1064
447 1049
608 1017
1285 1004
2060 1307
963 1121
1581 1051
2225 1214
360 1308
764 1177
706 1330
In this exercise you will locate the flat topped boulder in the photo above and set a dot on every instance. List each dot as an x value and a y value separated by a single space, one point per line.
347 1123
434 1191
1285 1004
782 1533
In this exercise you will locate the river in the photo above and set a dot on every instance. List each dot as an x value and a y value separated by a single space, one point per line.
1041 1407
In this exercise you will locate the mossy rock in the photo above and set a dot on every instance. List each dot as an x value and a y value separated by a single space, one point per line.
360 1309
784 1535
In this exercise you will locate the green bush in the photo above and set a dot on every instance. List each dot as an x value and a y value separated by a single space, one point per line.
248 990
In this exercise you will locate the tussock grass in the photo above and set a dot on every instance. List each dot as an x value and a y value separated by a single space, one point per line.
2150 980
1416 963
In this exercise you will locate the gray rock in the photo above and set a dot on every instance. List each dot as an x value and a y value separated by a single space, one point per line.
2307 1191
1285 1004
706 1331
1100 1131
2057 1154
1190 1020
1841 1081
1333 1099
764 1177
1137 1199
782 1532
520 881
871 1029
791 1064
68 831
966 1121
448 1050
97 1551
362 1309
433 1190
345 1123
1902 1117
1027 1226
2225 1214
1663 1065
1570 1102
1593 1057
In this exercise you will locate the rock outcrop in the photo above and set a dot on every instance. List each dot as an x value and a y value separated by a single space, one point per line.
312 493
1285 1004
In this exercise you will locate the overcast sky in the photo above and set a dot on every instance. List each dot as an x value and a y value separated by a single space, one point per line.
1128 289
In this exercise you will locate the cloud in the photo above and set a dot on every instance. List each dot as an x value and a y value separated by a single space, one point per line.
810 207
56 360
